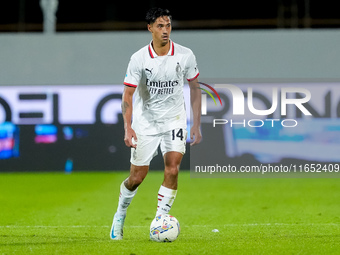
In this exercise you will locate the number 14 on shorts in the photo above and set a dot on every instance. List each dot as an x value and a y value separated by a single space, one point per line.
177 134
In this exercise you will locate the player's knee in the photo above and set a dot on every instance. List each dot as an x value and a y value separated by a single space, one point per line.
171 171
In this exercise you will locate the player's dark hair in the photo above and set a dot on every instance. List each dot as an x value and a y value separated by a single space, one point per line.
156 12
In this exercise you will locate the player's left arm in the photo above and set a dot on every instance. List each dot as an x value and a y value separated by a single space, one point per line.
195 99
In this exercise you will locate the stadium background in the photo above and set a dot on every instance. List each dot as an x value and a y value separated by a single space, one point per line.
241 42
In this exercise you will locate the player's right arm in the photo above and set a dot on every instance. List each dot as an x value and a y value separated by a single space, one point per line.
131 80
127 115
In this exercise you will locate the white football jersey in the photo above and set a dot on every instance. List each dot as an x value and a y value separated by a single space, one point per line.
158 100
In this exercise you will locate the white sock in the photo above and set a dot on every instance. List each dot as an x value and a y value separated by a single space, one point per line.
125 198
166 198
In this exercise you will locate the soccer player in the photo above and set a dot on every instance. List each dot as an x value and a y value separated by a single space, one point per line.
155 77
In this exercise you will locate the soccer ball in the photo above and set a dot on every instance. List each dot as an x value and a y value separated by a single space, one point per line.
164 228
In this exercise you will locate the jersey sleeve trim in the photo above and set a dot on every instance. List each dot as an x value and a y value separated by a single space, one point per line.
194 77
130 85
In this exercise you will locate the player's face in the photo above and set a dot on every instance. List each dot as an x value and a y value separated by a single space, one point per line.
161 30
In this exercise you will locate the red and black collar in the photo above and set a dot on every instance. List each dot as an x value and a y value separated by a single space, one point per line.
153 54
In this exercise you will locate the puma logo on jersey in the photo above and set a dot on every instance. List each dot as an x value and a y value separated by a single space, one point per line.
148 70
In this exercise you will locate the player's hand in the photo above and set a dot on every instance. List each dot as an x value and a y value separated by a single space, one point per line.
130 138
195 134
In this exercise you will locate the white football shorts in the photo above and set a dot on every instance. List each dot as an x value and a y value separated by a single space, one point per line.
147 145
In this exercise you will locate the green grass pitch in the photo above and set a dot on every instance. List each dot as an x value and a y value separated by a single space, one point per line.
56 213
